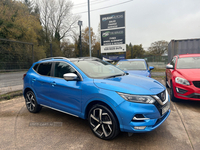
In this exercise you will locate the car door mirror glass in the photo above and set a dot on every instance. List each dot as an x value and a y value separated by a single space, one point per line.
70 76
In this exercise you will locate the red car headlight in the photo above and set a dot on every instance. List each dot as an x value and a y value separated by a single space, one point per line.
182 81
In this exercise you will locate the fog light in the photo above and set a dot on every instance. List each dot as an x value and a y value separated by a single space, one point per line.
139 127
181 91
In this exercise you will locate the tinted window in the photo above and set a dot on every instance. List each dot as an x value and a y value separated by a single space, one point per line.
45 69
61 68
35 67
188 63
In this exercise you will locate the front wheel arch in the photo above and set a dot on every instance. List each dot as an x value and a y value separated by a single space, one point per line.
91 104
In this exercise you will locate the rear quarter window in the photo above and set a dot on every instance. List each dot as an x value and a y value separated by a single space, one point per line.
35 67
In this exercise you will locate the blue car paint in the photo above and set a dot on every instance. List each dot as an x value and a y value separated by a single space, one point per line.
146 73
104 90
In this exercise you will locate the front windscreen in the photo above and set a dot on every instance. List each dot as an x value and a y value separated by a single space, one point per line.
98 68
188 63
132 65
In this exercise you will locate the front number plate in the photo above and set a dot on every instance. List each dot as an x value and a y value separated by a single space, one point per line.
165 109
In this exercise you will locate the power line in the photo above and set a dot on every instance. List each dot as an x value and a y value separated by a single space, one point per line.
105 7
92 3
85 3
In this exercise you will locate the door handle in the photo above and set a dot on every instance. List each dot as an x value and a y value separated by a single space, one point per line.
33 80
53 84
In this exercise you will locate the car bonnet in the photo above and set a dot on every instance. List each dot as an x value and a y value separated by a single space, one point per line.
131 84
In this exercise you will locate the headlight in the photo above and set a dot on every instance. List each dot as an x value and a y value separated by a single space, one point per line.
137 98
182 81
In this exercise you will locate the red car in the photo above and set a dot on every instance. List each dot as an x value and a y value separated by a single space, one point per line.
183 77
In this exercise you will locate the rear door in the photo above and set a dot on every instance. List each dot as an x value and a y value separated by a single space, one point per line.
65 95
41 82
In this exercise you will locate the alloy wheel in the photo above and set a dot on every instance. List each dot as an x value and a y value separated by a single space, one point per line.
103 122
30 101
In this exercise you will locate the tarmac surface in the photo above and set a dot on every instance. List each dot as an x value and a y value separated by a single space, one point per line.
11 81
50 129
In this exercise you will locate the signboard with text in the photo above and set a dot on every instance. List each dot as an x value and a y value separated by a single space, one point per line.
113 33
110 21
113 41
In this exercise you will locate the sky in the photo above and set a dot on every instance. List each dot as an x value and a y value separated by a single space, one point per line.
147 21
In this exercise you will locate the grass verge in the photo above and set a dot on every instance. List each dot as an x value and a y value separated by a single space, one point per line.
10 95
158 77
158 70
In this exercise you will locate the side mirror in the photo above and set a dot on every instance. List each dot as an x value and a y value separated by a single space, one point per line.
170 67
151 67
70 76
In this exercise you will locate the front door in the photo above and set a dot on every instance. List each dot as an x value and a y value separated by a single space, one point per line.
65 95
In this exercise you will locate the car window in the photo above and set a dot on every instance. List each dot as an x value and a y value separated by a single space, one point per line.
147 65
45 69
61 68
188 63
35 67
173 61
132 65
98 68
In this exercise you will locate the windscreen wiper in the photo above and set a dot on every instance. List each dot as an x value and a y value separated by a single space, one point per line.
113 76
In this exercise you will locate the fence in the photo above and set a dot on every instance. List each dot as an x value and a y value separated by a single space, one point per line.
157 61
15 55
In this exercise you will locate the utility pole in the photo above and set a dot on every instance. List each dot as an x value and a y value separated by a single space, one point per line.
51 50
89 26
80 50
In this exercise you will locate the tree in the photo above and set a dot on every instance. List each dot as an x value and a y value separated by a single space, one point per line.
158 48
135 51
85 43
68 49
57 19
16 23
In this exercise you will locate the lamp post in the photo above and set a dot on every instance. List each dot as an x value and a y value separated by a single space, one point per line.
89 26
80 50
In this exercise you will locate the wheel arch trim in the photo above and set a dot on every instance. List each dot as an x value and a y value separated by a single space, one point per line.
91 103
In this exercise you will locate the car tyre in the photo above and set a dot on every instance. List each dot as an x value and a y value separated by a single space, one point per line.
31 102
173 98
103 122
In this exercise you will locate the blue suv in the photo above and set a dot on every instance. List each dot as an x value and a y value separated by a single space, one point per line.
89 88
135 66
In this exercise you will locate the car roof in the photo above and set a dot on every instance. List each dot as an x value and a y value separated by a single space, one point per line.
132 60
188 55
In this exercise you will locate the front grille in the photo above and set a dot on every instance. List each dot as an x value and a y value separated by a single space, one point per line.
162 96
158 106
196 83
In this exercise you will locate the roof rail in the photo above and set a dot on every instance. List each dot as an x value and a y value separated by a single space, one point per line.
54 58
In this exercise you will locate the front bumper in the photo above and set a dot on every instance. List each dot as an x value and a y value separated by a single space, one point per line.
152 116
186 92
